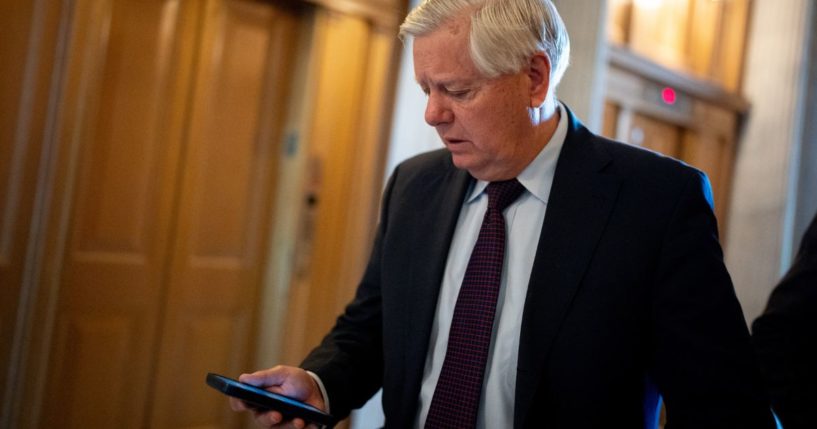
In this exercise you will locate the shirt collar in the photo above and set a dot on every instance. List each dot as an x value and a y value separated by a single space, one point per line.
537 177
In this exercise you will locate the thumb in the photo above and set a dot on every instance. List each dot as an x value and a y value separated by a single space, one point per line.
265 378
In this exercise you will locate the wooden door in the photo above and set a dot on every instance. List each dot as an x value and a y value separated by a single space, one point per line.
227 189
166 135
156 193
120 125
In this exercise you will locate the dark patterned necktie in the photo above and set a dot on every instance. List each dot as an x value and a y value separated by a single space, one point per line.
456 397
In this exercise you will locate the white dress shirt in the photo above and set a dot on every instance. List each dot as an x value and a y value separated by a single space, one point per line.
523 219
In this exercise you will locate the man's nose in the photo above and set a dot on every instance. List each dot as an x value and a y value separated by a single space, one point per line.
437 110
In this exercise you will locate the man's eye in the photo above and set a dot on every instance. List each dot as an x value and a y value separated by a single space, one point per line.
458 93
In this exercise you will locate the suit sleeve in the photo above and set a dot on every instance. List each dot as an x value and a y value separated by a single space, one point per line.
703 364
349 360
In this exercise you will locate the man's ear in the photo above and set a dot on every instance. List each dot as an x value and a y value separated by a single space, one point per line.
539 75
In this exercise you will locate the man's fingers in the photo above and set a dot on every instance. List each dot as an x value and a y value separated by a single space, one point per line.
268 377
260 378
289 381
237 404
269 419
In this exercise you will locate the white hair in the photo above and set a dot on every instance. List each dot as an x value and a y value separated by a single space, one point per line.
504 33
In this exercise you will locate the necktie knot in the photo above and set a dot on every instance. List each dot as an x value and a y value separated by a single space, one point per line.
502 194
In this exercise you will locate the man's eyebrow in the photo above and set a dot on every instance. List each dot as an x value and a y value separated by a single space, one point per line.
446 83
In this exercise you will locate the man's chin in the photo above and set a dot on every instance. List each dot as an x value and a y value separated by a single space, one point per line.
468 165
461 162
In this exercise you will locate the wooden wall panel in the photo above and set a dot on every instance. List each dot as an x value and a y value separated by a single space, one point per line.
704 34
704 38
119 138
341 50
659 30
226 194
28 54
346 133
387 13
367 163
16 20
728 69
17 157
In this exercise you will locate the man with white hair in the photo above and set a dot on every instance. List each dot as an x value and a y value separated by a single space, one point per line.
531 274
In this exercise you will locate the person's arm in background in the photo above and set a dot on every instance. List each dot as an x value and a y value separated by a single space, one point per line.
785 337
703 362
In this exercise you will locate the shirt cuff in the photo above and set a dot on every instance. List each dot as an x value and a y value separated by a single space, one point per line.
323 390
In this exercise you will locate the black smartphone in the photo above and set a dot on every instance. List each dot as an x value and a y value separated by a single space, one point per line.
263 400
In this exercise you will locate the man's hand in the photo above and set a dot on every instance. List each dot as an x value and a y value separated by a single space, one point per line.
285 380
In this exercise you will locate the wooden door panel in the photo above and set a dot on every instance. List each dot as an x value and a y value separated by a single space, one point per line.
610 122
129 63
704 152
94 351
207 342
710 153
655 135
232 150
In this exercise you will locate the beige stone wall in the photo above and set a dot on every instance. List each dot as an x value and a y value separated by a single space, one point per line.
761 232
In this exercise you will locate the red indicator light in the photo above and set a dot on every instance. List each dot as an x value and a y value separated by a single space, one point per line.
668 95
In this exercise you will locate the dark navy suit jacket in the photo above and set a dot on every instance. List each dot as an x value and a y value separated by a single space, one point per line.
628 296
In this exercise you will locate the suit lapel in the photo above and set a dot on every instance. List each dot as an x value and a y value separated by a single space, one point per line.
442 200
578 208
